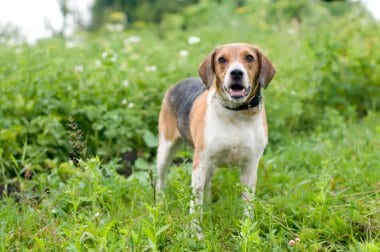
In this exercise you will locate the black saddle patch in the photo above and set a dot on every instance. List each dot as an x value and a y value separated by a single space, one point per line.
181 99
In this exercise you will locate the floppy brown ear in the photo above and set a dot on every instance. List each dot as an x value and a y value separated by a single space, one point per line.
206 70
267 71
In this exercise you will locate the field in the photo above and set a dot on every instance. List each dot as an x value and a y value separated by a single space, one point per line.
79 123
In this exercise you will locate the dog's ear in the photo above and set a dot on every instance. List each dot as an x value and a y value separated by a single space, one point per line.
206 70
267 70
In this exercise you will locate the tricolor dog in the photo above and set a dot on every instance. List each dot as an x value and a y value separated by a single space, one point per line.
221 115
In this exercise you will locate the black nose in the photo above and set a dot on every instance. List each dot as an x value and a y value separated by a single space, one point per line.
236 74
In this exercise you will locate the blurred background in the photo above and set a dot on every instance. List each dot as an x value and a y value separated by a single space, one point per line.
44 18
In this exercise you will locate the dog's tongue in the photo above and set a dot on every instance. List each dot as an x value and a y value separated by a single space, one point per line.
237 92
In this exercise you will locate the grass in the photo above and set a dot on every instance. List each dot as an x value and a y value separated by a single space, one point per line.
325 194
318 182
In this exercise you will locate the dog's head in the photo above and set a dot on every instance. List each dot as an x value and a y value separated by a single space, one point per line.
237 70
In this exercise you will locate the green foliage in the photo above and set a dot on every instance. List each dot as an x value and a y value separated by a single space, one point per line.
347 65
321 188
318 180
135 10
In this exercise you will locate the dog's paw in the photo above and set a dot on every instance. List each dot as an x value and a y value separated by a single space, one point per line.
196 230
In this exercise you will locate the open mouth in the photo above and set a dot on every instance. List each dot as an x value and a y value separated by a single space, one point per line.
238 91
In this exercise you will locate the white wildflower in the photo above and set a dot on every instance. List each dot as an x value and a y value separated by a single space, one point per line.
292 31
292 243
131 105
115 27
234 23
193 40
125 83
78 68
132 40
151 68
104 55
98 63
183 53
72 43
124 101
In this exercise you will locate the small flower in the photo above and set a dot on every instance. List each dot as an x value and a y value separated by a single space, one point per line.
98 63
193 40
124 101
54 211
104 55
78 68
151 68
298 239
292 243
72 43
125 83
292 31
132 40
184 53
131 105
234 23
114 27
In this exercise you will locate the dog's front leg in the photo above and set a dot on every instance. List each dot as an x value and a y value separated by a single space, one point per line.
198 183
248 177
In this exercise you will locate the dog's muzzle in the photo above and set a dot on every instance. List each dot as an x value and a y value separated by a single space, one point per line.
236 87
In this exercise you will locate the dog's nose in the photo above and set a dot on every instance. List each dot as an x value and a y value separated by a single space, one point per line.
236 74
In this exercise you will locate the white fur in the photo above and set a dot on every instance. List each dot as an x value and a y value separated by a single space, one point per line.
228 80
165 153
231 138
235 66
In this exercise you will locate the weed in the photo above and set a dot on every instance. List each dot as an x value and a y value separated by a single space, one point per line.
77 144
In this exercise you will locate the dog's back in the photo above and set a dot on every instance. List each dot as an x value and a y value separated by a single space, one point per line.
180 99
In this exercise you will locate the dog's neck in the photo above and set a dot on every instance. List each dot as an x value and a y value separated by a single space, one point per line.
254 102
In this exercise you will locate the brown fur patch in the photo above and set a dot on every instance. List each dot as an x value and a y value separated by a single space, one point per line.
195 160
197 121
251 111
167 123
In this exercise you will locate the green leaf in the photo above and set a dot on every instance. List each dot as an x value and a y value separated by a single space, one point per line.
150 139
162 229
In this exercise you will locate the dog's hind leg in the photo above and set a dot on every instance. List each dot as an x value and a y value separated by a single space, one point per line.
169 141
165 153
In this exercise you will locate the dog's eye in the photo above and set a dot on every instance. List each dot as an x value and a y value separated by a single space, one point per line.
249 58
222 60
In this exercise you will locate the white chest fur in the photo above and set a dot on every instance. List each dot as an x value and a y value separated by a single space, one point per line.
233 137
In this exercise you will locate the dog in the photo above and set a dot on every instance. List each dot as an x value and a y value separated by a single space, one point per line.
222 116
